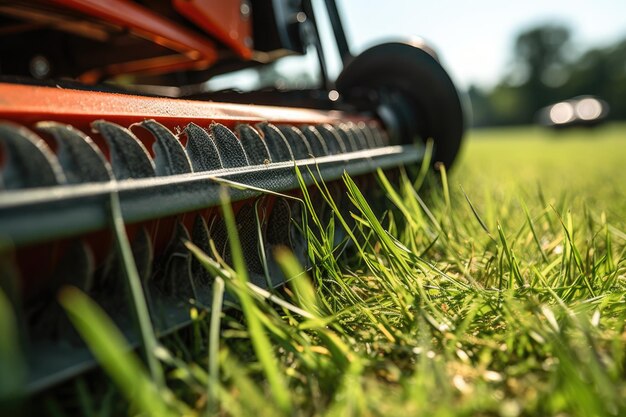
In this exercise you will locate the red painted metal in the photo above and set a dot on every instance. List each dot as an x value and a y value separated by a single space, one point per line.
227 20
158 65
29 104
146 24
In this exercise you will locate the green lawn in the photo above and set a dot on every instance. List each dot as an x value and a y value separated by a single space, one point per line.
582 166
501 292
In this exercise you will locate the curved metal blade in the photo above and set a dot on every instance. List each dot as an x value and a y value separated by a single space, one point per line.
170 157
81 160
297 141
143 253
129 157
318 145
176 279
231 151
348 139
380 137
279 224
332 139
201 149
276 143
369 137
361 138
247 226
255 146
200 237
30 163
358 140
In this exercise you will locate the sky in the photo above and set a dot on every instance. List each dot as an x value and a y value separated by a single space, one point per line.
474 38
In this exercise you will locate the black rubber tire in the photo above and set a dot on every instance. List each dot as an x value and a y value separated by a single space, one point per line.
413 71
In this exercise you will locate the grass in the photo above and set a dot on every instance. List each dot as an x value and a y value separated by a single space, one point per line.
499 291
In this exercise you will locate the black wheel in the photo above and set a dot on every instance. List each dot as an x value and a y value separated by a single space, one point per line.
407 87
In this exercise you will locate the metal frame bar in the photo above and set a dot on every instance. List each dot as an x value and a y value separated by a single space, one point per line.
149 25
340 35
37 215
313 28
28 104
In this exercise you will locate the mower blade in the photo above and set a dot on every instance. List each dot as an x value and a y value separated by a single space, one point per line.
30 163
81 160
170 157
230 149
316 141
255 146
129 157
276 143
201 149
297 141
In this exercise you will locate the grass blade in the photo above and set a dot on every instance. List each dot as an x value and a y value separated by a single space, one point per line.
260 342
12 365
112 351
135 290
214 344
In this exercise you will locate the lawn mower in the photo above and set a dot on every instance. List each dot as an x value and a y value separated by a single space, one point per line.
113 137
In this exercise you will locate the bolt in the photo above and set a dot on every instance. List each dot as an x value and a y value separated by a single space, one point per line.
245 9
248 42
39 67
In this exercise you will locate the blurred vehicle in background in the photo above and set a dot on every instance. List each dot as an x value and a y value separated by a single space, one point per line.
588 111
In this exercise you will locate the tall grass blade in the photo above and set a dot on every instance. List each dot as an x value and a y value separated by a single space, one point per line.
12 365
299 281
476 215
262 346
113 352
135 290
214 344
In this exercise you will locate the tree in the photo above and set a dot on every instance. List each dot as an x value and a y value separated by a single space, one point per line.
545 72
601 72
542 52
541 55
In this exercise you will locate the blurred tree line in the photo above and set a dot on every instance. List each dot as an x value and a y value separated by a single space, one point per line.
545 70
